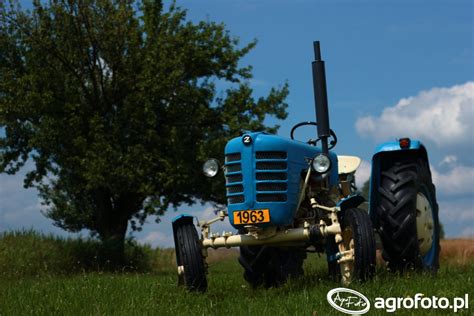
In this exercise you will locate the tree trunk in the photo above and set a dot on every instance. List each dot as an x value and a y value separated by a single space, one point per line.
112 226
113 241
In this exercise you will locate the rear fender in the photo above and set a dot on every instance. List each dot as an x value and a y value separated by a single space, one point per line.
183 219
386 155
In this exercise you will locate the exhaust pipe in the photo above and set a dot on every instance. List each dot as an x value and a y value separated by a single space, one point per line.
320 97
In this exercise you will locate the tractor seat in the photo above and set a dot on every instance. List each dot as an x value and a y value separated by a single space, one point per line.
348 164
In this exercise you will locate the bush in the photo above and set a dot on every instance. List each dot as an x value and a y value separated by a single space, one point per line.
28 253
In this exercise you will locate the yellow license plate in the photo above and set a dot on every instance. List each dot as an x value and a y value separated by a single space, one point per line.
252 217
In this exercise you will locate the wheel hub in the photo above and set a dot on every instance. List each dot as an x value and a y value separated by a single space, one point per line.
424 223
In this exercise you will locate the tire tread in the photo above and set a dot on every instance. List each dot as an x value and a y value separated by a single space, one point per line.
191 257
396 212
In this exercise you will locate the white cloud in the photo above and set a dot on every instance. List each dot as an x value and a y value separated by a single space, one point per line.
156 238
458 212
207 213
21 208
457 216
448 160
456 181
443 119
24 213
18 206
363 173
468 232
442 116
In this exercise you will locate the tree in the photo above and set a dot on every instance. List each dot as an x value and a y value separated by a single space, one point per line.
115 103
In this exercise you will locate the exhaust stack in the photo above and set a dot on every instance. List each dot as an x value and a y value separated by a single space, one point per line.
320 97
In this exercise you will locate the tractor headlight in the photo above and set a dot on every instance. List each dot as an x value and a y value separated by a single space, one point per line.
321 163
211 168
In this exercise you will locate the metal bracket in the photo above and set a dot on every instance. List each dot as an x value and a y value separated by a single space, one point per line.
206 225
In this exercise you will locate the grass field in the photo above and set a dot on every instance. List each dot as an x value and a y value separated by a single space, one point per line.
157 293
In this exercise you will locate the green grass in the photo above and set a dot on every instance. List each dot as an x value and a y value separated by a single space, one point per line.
47 275
30 254
228 294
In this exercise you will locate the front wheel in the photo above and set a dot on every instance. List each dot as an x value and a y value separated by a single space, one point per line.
357 249
192 271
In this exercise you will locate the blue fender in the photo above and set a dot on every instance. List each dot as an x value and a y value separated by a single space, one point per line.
350 201
183 219
390 152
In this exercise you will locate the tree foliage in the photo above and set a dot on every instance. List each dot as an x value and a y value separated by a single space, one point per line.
115 103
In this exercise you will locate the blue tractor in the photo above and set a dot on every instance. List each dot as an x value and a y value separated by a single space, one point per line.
286 198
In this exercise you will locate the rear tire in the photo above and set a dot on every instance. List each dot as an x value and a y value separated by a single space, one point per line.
408 217
189 248
269 266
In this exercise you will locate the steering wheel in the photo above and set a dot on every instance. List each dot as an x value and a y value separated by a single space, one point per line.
332 143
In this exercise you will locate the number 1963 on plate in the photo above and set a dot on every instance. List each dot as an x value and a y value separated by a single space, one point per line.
252 216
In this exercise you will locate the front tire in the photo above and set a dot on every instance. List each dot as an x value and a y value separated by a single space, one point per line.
357 237
192 269
408 217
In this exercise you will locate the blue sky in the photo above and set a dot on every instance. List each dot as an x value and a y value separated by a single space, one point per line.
394 68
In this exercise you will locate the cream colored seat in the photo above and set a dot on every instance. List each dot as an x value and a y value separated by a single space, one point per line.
348 164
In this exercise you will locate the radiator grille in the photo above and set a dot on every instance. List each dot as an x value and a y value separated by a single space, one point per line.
235 189
270 155
262 176
271 197
271 181
236 199
234 167
271 165
232 157
234 178
271 186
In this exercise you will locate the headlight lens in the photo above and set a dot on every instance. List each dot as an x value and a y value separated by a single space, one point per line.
321 163
211 168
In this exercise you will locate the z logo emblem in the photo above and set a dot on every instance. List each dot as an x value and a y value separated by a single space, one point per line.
247 140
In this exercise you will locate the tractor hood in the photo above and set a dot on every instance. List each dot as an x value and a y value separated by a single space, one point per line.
263 171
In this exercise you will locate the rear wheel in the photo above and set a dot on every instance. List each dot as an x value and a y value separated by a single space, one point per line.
192 269
358 244
270 266
408 217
